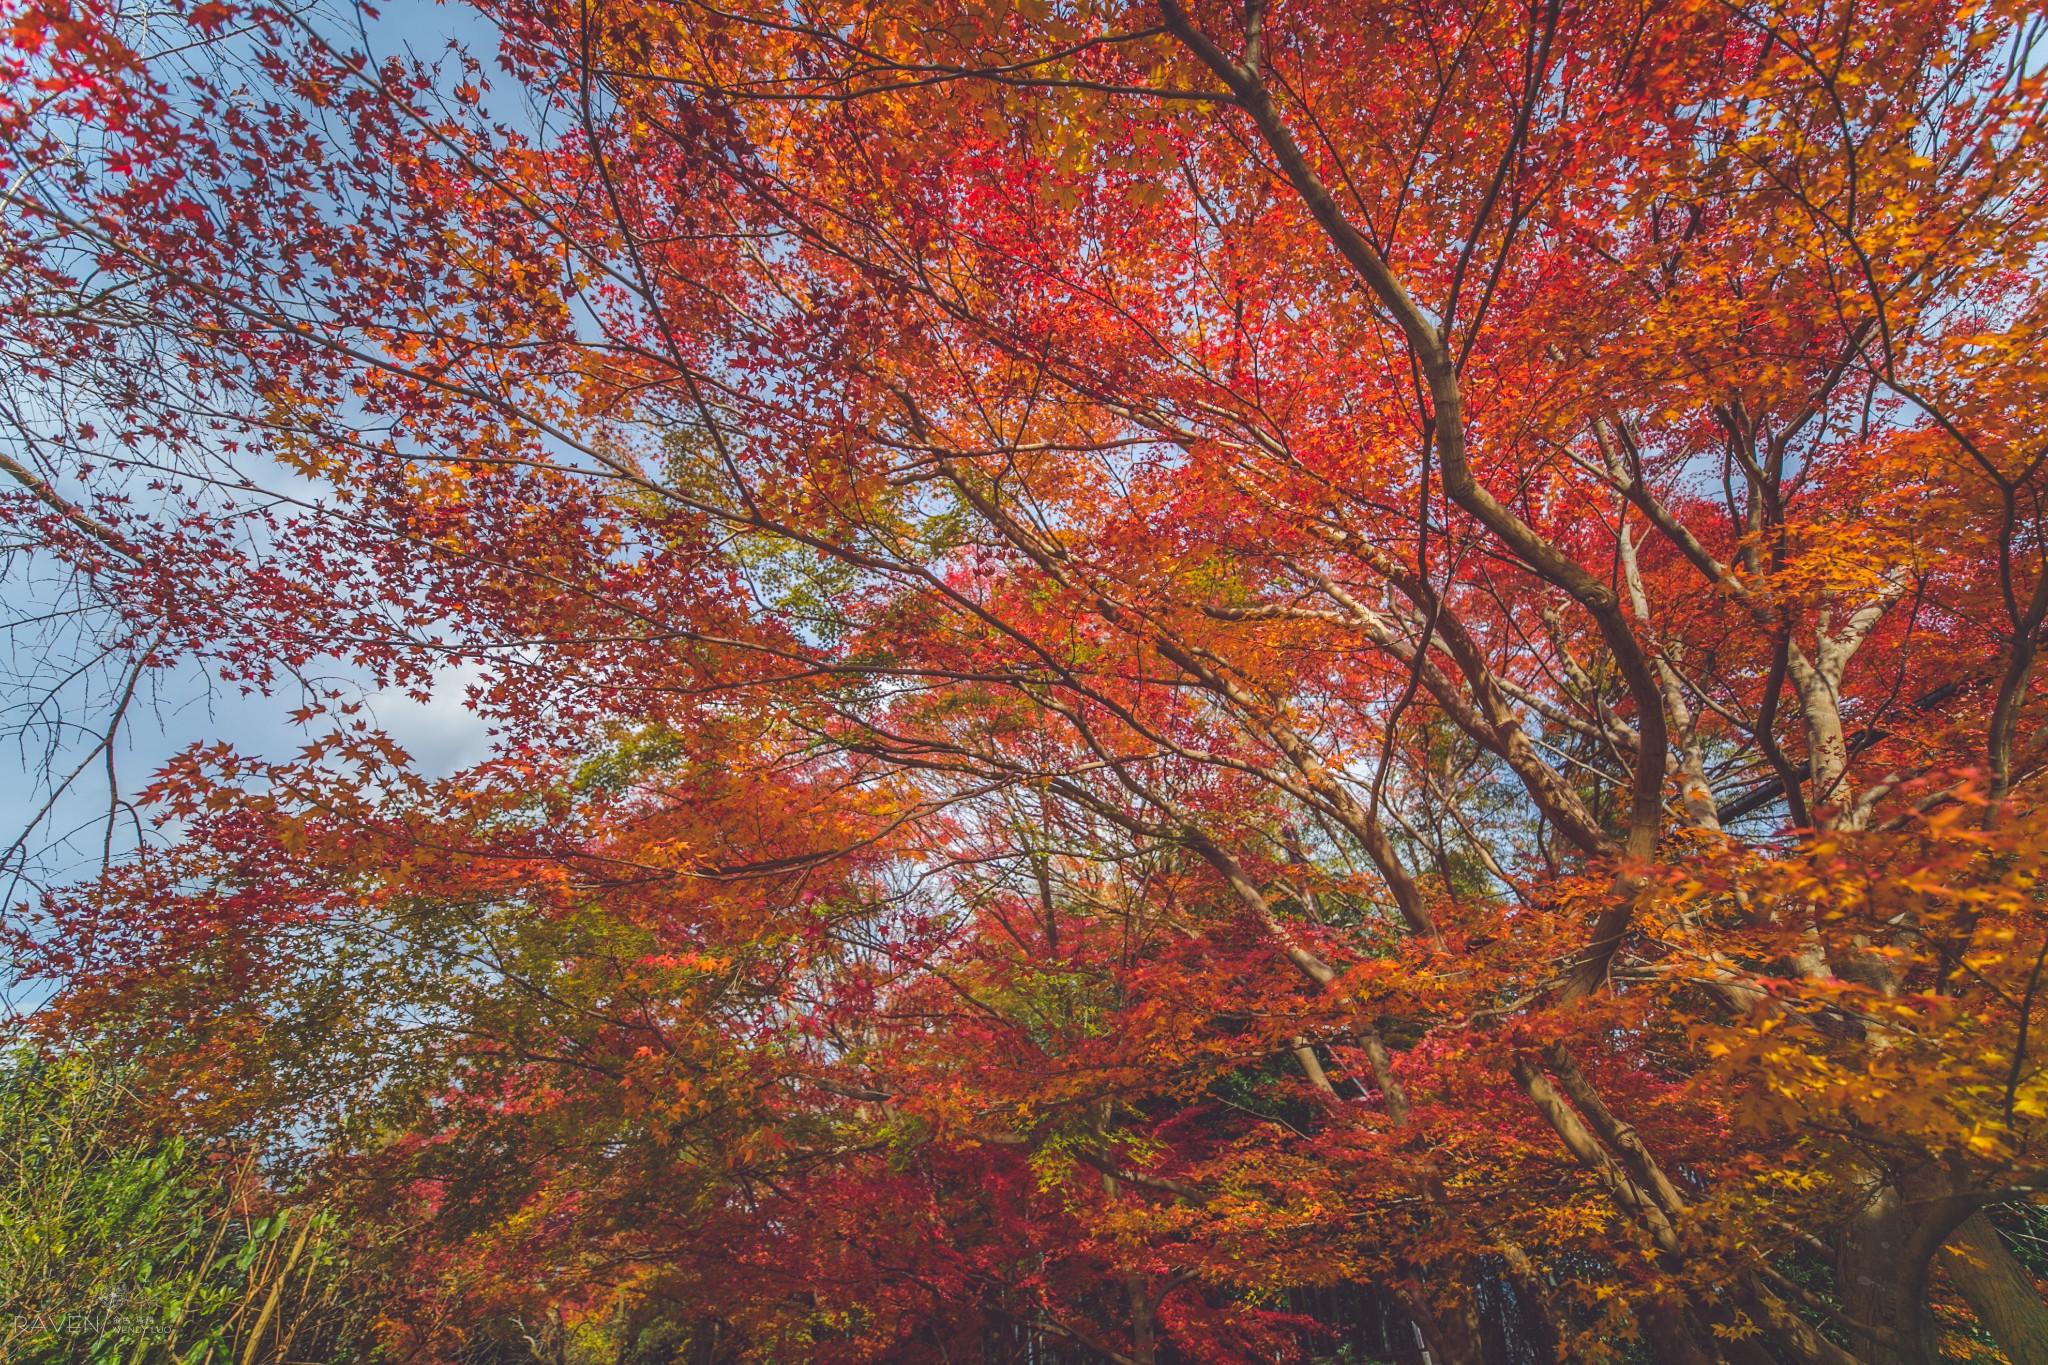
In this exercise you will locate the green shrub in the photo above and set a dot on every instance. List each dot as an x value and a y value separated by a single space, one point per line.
117 1249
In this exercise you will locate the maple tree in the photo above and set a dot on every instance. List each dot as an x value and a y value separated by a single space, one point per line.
1168 682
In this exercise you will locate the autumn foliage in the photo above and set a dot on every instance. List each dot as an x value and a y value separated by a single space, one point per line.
1170 682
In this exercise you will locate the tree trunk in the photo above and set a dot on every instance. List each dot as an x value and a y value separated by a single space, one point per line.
1670 1336
1867 1253
1998 1289
1451 1337
1144 1337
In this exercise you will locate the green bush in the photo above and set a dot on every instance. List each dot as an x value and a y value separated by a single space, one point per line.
116 1250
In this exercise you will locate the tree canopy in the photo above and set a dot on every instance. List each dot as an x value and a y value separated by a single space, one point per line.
1169 682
